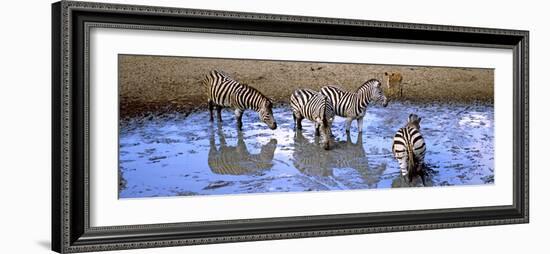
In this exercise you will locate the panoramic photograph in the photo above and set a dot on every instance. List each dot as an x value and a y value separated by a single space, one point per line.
193 126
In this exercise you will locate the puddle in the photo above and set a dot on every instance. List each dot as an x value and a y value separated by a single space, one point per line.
185 154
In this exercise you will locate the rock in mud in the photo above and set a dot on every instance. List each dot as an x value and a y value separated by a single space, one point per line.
217 184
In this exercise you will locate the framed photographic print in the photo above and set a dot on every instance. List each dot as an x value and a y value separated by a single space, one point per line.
181 126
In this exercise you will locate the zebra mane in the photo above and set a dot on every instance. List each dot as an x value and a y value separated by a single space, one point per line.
222 73
214 73
252 88
242 86
366 85
246 87
336 86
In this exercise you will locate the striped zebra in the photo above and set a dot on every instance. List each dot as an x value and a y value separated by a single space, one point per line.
353 105
314 106
409 149
224 91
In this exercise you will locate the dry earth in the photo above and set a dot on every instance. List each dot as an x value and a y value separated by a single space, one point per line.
160 83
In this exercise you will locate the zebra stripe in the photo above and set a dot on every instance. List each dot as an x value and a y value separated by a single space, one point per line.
314 106
409 148
224 91
353 105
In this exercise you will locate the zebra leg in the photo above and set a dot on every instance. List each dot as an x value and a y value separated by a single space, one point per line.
239 117
423 177
219 109
317 133
421 170
210 109
348 124
360 124
348 138
297 121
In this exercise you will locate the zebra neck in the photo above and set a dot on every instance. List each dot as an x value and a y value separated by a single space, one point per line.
250 99
363 99
255 105
411 128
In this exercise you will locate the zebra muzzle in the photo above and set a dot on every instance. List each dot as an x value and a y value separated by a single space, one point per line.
326 145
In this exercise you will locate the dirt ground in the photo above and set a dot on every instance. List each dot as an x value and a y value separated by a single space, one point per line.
160 83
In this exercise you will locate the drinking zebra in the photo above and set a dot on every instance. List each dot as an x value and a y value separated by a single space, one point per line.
224 91
409 149
314 106
353 105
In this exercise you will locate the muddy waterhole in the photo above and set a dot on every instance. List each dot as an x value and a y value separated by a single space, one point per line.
184 154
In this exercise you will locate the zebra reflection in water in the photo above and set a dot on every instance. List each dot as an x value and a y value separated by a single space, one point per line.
310 159
236 160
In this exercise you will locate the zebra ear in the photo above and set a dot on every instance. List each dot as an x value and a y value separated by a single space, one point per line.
420 118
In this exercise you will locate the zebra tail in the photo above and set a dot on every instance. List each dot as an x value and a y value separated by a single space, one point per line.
324 112
325 122
204 81
411 164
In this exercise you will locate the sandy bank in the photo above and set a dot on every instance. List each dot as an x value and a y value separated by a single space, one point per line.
153 83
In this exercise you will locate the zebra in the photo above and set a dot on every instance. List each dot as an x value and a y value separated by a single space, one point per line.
237 160
353 105
224 91
314 106
409 149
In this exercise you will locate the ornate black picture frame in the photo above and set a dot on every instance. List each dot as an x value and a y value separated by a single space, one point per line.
71 231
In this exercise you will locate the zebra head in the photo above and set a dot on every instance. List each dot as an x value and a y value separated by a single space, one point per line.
266 114
414 121
325 133
378 93
325 125
372 91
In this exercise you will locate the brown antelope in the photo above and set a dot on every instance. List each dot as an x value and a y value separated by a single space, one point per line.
394 83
